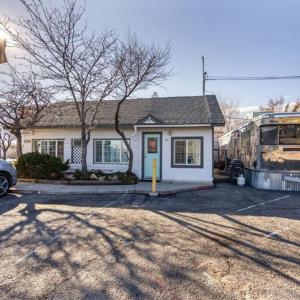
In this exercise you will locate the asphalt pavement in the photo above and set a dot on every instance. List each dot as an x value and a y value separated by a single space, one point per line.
224 243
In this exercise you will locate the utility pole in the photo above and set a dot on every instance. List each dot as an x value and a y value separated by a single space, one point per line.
203 76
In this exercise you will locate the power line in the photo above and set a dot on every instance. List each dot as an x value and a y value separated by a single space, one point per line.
252 77
205 77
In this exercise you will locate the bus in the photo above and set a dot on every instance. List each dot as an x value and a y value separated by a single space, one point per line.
269 146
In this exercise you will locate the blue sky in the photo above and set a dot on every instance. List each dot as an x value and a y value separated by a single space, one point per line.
237 37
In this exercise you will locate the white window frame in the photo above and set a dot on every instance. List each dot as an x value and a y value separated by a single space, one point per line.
39 145
103 142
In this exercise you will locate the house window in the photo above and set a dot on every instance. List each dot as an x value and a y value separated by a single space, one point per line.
51 147
76 151
187 152
110 151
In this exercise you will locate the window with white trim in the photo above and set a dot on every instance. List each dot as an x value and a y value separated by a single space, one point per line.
187 152
110 151
51 147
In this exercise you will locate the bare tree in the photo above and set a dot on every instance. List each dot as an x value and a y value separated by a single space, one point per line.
232 114
6 138
280 105
296 106
275 105
22 103
75 63
139 66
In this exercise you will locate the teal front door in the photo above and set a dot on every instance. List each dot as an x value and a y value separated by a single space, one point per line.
151 151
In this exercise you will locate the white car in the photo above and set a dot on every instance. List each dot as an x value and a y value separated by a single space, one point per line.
8 176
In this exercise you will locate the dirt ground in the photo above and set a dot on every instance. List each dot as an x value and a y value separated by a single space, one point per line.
225 243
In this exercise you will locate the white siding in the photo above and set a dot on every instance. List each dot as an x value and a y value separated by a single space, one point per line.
168 173
182 174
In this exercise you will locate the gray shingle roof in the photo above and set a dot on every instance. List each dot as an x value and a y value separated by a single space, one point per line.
169 110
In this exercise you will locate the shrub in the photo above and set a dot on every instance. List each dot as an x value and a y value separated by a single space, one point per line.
78 175
40 166
124 177
127 177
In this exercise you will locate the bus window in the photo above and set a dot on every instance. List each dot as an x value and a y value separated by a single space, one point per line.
245 139
289 135
269 135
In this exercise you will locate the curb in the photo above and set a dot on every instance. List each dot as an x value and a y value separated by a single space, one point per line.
72 182
160 193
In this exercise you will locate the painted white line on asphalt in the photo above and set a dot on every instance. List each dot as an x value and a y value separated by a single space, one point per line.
31 253
137 240
262 203
78 222
53 239
16 194
113 201
277 199
8 202
271 234
26 256
248 207
107 205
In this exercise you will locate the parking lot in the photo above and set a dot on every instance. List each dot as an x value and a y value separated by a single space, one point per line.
225 243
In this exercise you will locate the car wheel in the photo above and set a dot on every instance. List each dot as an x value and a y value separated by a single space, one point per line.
4 184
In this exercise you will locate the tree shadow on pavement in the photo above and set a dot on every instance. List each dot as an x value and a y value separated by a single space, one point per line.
258 255
134 247
73 253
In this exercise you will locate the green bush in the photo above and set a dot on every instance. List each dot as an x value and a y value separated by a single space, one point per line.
127 177
79 175
40 166
124 177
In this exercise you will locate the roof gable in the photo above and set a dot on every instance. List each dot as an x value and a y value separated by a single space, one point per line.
149 120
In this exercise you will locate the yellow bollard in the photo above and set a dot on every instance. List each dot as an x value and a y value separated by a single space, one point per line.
154 170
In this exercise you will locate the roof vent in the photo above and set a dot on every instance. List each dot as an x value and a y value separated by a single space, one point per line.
155 95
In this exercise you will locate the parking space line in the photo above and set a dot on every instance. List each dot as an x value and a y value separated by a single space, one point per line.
16 194
77 223
30 253
54 238
262 203
274 233
277 199
12 201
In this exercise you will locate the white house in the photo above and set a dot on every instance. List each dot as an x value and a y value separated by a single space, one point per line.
177 131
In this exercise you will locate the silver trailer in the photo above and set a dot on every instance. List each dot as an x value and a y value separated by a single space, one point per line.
269 146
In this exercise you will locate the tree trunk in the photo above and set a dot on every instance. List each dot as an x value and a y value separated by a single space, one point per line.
19 142
4 154
84 144
122 135
129 149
